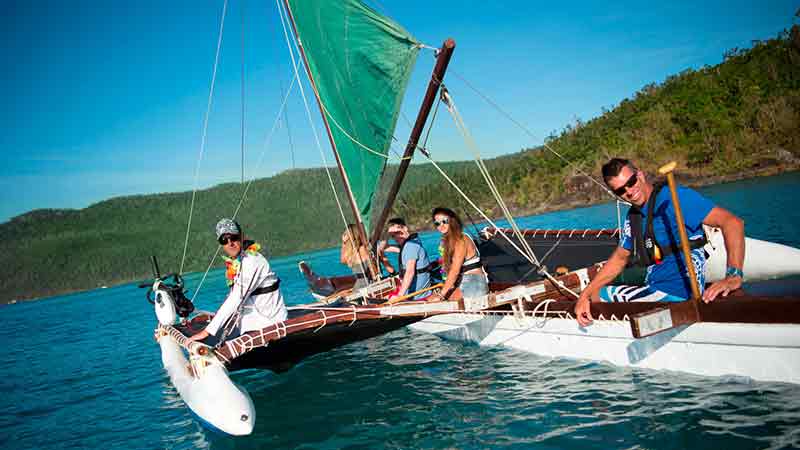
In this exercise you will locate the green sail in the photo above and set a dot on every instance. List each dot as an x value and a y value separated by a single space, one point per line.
360 62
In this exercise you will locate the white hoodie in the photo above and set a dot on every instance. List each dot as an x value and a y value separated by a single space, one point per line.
258 311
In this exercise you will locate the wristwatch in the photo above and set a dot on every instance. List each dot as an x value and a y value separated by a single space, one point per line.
734 272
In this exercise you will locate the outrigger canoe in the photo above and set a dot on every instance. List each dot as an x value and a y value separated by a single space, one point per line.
753 334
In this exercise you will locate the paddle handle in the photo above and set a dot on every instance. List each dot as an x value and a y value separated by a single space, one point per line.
667 170
413 294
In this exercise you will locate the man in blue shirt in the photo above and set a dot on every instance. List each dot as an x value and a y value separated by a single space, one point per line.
667 276
414 262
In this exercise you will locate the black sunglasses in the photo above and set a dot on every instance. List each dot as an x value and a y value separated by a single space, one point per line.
223 240
444 221
620 191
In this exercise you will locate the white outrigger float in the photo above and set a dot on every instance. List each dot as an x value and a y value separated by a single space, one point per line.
202 381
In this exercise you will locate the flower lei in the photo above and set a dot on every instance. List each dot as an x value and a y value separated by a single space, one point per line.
233 265
441 260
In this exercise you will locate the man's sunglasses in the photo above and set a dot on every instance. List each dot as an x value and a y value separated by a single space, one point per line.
223 240
620 191
444 221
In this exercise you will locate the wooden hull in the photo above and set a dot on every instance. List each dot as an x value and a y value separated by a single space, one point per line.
310 329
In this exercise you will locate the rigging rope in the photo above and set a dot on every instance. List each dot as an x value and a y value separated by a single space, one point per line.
205 131
508 116
528 252
267 141
243 197
288 130
461 126
242 83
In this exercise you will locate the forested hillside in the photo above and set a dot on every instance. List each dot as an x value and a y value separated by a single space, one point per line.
737 119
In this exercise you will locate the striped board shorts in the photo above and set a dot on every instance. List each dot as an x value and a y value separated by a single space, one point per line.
626 293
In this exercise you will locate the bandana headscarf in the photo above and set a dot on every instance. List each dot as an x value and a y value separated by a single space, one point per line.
227 226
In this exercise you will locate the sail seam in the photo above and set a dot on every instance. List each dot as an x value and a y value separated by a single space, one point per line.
356 141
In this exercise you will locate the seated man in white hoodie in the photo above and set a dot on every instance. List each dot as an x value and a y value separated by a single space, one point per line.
254 300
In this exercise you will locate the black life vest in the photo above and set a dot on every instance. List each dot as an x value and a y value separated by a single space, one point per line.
646 249
432 267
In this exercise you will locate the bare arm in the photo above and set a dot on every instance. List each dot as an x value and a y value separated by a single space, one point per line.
389 267
408 276
733 231
382 249
613 267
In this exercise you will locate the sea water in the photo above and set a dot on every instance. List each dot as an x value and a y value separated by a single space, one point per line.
83 371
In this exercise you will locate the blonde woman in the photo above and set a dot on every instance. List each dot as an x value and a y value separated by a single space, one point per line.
354 255
461 260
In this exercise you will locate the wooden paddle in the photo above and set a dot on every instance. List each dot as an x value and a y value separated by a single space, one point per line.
683 313
413 294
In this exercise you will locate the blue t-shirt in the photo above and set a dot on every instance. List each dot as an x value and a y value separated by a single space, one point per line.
671 275
413 250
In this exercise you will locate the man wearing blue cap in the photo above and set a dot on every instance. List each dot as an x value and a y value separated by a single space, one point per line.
254 301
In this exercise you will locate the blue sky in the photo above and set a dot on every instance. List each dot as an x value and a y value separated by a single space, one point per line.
103 99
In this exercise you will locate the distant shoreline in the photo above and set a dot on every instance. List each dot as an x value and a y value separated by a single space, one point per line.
694 181
689 180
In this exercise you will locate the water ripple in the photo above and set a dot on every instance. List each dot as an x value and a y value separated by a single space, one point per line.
85 373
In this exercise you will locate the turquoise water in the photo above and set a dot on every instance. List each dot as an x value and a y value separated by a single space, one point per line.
83 371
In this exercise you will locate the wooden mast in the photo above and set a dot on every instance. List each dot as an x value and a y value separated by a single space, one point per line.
442 60
362 238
